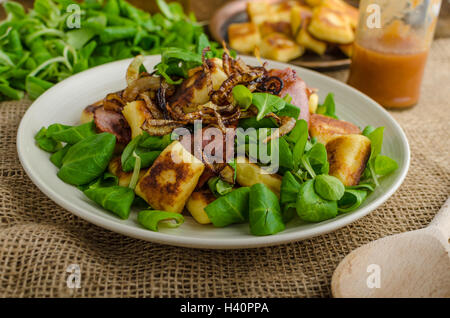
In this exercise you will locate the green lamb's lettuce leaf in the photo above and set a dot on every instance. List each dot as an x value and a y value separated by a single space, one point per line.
299 136
55 128
362 186
267 103
71 135
289 110
116 199
242 96
289 188
127 153
230 208
376 142
288 196
153 219
46 143
286 158
58 156
219 187
155 142
368 130
328 108
385 165
87 159
377 165
317 158
146 147
107 179
147 159
311 207
351 200
251 122
288 211
265 213
329 187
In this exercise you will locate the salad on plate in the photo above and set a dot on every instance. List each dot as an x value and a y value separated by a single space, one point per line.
204 134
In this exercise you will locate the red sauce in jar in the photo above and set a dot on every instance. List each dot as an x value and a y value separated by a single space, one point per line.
389 69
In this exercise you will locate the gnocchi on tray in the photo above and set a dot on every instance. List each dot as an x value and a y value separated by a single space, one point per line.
283 31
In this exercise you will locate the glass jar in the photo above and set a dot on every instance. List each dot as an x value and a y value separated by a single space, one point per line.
391 49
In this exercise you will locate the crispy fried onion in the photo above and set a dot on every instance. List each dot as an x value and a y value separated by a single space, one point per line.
272 84
114 102
239 73
151 106
223 95
251 112
226 64
161 97
133 69
140 85
286 125
207 70
209 114
161 127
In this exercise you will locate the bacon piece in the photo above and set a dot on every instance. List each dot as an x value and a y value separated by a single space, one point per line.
114 123
296 88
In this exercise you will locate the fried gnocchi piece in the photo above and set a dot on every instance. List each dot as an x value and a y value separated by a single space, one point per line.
248 174
279 47
115 167
87 115
347 49
325 128
314 3
227 174
298 15
244 37
330 25
197 203
260 11
136 113
195 90
313 103
282 11
268 28
172 178
348 156
305 39
349 12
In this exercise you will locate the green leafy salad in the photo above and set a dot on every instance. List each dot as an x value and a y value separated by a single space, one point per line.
284 155
58 38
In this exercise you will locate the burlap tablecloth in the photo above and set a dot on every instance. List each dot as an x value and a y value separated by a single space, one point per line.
39 239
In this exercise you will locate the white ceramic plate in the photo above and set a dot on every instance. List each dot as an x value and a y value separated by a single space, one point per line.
64 102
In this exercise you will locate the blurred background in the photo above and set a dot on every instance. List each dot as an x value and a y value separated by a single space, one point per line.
204 9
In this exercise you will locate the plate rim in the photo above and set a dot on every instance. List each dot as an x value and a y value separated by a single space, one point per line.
211 242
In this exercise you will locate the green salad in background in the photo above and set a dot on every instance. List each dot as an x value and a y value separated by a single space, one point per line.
39 49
